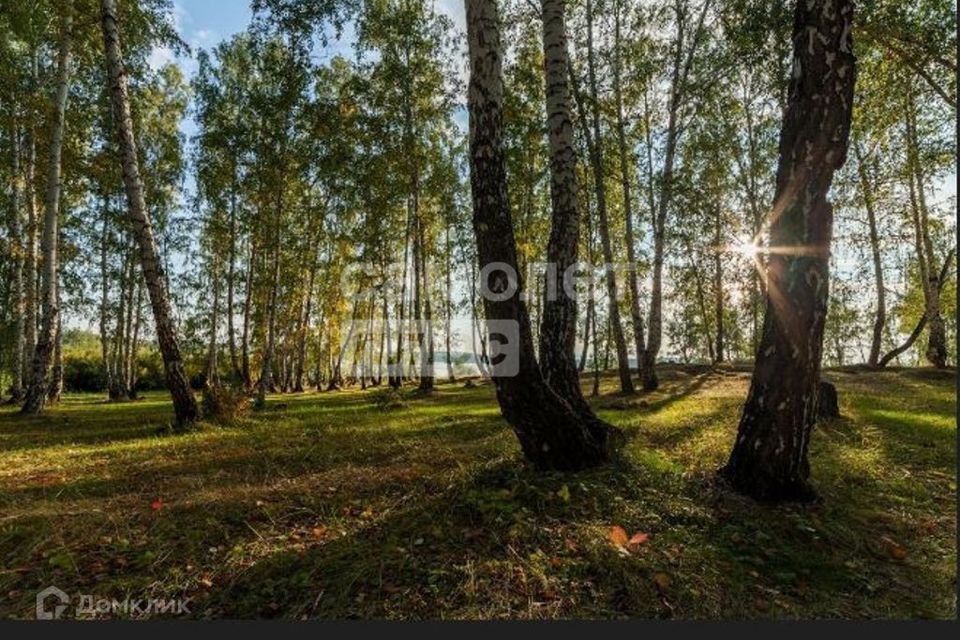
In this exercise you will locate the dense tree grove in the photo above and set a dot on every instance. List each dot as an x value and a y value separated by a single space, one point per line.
729 181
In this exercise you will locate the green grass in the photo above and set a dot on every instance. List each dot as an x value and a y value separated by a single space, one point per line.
333 507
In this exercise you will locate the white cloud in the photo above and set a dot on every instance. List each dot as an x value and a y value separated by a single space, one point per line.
160 57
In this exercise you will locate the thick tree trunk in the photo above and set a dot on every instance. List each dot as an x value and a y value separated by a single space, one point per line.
184 403
17 248
37 392
880 318
769 459
551 434
595 144
559 322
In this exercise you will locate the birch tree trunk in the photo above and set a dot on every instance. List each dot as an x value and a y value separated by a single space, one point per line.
880 318
559 323
936 352
266 364
633 285
17 293
769 459
718 352
31 262
247 306
236 373
551 434
596 160
184 403
37 392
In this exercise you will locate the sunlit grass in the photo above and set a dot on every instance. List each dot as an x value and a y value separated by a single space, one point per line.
324 505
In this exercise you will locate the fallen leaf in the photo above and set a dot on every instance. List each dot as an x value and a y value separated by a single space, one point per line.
319 531
898 552
637 539
618 536
157 504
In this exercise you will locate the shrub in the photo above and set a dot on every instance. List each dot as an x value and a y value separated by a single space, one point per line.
224 404
388 399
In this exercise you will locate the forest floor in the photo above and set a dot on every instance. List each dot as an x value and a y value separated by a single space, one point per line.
333 505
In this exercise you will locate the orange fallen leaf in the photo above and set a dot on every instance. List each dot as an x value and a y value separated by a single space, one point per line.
618 536
898 552
319 531
637 539
157 504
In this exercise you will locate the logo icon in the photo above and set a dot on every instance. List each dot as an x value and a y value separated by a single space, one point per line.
62 601
504 347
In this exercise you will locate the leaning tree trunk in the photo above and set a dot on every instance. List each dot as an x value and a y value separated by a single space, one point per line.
936 351
633 284
559 323
922 323
184 403
880 318
769 459
596 160
37 392
551 434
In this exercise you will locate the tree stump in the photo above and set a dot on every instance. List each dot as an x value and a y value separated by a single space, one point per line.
828 406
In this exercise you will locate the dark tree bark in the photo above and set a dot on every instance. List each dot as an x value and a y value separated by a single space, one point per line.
551 434
184 403
769 459
828 404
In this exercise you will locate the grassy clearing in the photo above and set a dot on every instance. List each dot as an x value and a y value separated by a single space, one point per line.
337 505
